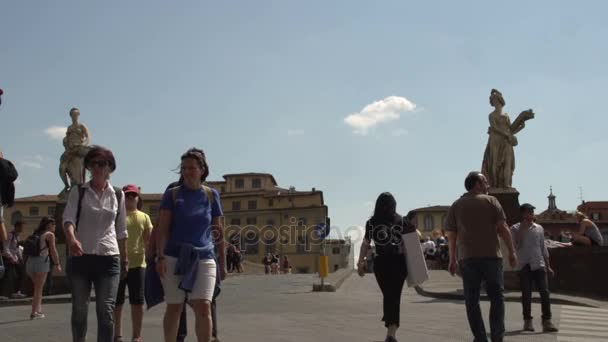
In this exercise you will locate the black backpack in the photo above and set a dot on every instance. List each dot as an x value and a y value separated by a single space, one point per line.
31 246
8 175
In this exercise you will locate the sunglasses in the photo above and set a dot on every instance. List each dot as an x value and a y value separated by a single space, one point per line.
99 163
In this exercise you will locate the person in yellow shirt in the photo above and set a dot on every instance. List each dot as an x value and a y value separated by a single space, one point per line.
139 228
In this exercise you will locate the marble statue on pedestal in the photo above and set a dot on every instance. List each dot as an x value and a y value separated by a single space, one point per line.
499 157
76 144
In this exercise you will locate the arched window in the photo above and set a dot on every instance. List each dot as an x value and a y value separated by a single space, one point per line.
429 223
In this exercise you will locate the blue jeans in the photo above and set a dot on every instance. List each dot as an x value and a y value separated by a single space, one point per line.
474 271
103 272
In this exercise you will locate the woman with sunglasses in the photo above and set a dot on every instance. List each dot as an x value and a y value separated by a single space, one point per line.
38 266
96 234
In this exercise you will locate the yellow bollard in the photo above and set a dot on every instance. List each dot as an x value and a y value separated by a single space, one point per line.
323 266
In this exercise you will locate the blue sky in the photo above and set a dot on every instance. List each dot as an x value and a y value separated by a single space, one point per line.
266 86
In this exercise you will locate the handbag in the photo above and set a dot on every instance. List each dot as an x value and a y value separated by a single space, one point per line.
417 272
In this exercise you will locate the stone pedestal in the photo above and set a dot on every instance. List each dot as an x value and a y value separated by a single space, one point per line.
509 199
59 208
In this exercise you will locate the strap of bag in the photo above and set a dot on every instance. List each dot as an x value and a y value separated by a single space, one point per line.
81 192
208 191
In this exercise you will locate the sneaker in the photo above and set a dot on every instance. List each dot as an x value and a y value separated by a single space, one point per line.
390 339
18 295
548 326
37 315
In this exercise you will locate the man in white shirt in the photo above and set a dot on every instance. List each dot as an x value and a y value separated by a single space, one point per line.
533 266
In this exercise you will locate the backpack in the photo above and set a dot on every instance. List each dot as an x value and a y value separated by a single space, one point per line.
81 190
31 246
8 175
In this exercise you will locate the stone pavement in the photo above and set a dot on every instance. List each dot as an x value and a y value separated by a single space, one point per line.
284 309
442 285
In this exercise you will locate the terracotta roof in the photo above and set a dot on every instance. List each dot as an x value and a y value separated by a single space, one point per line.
37 198
434 208
248 174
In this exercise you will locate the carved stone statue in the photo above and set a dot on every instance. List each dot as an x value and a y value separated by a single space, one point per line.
499 156
76 144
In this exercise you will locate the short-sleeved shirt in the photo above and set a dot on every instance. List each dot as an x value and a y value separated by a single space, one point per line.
530 246
138 222
474 218
192 217
387 236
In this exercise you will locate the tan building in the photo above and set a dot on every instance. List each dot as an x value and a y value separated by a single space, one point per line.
259 215
29 210
430 221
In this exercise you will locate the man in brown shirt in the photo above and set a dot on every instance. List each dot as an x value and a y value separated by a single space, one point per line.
474 223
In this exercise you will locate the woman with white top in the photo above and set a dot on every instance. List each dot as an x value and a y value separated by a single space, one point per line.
96 234
37 267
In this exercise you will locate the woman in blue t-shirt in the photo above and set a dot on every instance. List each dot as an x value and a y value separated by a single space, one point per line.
189 222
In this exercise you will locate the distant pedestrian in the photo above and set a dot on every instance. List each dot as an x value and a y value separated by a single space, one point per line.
385 228
473 225
14 263
238 258
588 233
274 266
267 262
37 266
285 265
533 266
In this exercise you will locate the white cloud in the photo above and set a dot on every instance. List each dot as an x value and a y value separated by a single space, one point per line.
294 132
399 132
56 132
31 164
383 111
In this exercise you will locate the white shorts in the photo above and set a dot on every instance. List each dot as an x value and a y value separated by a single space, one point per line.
203 286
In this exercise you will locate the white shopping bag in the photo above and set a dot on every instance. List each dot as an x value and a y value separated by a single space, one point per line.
417 272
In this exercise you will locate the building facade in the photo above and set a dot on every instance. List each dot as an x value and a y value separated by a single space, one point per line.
260 217
430 221
558 223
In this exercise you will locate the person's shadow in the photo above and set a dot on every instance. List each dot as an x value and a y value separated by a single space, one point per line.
15 321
